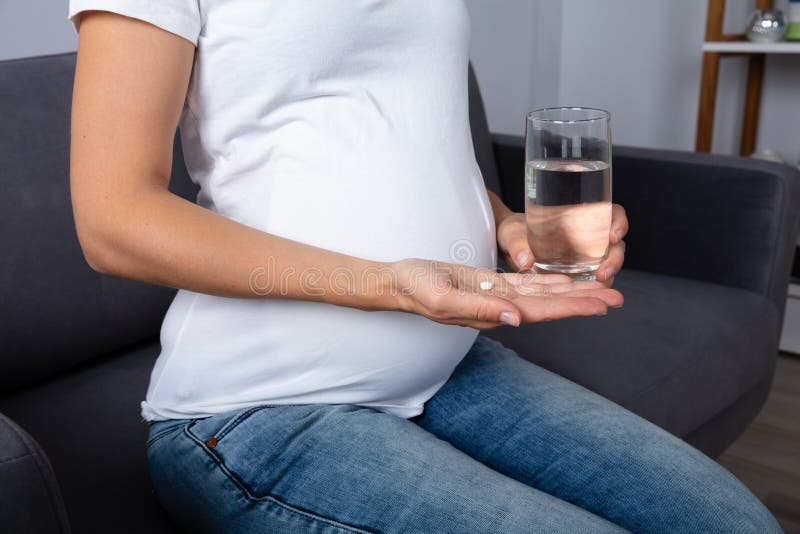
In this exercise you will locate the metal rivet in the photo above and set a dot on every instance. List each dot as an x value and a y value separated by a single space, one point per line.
211 443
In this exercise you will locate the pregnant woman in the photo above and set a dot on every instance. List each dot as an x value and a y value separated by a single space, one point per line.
321 368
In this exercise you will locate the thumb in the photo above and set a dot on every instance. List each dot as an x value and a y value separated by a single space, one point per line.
492 309
519 251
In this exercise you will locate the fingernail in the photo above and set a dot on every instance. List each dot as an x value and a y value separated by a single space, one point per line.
619 234
509 319
523 258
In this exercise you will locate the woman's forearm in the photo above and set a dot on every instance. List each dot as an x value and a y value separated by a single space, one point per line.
159 238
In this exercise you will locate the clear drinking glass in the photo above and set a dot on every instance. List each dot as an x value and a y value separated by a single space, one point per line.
568 189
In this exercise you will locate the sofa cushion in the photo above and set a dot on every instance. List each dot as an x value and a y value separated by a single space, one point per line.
678 352
30 501
88 422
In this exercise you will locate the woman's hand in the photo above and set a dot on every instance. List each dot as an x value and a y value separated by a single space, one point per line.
512 239
481 298
616 250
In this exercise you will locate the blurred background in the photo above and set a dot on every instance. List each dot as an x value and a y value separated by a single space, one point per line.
641 60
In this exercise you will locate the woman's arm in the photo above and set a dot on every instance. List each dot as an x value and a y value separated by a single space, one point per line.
512 234
130 85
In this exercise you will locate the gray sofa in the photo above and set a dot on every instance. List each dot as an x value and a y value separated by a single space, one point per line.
693 350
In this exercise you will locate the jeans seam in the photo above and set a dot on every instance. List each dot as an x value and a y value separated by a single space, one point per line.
163 434
239 483
233 423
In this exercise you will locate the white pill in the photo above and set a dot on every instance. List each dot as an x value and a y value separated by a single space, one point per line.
486 285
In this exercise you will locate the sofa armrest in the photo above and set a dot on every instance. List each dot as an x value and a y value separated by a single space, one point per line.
30 500
723 219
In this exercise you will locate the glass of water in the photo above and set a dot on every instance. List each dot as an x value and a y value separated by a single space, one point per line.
568 189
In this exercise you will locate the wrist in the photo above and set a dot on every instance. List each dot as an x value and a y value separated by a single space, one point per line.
396 287
500 211
502 216
382 288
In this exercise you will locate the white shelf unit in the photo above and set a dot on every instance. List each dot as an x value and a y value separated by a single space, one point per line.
746 47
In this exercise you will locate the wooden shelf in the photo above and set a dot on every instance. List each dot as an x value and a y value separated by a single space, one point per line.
719 45
746 47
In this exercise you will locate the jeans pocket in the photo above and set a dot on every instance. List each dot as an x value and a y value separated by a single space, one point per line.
212 430
251 445
160 429
237 420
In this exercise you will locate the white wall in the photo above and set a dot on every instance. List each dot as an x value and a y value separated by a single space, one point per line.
34 28
640 59
515 50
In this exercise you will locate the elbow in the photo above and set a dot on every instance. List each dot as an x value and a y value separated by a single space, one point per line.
97 262
95 256
96 252
111 241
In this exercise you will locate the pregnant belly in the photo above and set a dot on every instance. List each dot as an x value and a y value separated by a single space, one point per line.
232 353
369 204
226 353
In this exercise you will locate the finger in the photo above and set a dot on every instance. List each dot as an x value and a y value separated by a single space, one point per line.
478 325
514 241
586 307
598 290
546 290
483 326
611 297
512 265
609 268
619 223
536 278
486 309
536 309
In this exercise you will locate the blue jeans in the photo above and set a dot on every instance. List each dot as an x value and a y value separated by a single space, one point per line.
503 446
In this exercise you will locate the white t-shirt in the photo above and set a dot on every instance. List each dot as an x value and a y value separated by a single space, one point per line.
338 123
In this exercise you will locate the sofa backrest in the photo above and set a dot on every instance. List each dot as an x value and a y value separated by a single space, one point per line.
56 312
481 138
